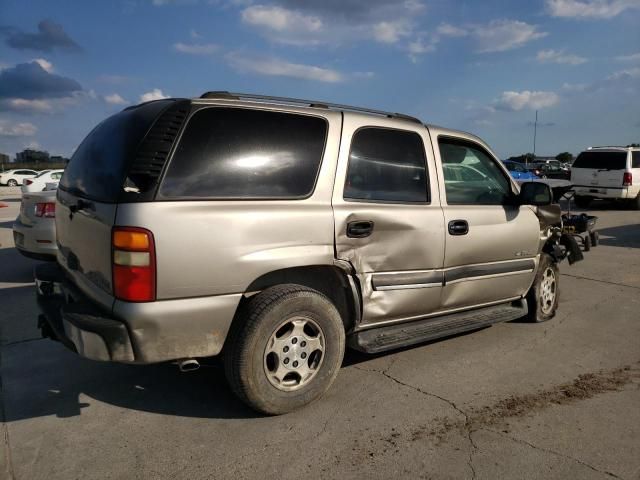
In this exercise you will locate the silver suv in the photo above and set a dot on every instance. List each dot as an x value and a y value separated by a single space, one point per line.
276 231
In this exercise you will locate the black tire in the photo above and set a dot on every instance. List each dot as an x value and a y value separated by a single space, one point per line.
635 203
587 243
12 183
541 310
258 322
595 238
582 202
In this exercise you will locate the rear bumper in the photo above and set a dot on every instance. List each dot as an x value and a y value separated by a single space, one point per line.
622 193
36 241
133 332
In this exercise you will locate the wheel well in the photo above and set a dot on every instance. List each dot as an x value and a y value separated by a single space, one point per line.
328 280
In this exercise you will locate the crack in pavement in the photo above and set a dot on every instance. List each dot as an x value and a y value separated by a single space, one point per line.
580 277
6 444
553 452
451 403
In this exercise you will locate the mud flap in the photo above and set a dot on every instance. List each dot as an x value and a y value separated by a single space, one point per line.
574 254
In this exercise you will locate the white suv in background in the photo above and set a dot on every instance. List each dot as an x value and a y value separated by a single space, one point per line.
611 173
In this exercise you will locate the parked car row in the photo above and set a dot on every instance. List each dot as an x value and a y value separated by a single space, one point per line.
31 180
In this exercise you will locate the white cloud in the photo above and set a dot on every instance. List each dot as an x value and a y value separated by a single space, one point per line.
554 56
155 94
115 99
593 9
282 68
516 101
390 32
496 36
312 23
45 64
448 30
32 144
295 25
503 35
196 48
634 57
26 105
17 130
631 74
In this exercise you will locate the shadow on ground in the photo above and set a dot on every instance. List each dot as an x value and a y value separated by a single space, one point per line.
623 236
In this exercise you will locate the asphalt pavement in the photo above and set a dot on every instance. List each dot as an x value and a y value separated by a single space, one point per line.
554 400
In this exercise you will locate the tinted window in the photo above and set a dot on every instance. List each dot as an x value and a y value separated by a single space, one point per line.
635 163
241 153
601 160
386 165
471 176
98 166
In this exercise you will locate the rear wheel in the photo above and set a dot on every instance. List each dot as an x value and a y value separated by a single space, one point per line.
12 183
582 202
587 243
595 238
542 298
285 349
635 203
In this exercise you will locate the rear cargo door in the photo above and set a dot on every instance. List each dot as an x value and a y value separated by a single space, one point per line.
599 169
88 194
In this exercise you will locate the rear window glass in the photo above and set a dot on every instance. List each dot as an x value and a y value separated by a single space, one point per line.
97 168
601 160
636 160
242 153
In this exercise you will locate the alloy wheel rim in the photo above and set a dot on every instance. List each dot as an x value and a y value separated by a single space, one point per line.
548 291
294 353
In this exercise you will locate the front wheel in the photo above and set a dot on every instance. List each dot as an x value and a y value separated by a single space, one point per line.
285 349
12 183
543 296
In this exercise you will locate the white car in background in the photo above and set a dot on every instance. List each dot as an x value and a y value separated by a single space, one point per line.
41 182
34 231
13 178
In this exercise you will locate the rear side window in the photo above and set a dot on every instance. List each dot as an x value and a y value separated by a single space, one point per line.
601 160
386 165
98 167
241 154
635 162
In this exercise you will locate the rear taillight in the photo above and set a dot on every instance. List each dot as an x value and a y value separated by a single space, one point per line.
46 210
28 182
134 264
627 179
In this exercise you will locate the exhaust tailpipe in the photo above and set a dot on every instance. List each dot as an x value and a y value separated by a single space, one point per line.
188 365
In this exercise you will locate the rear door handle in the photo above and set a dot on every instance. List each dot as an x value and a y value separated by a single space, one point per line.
359 229
458 227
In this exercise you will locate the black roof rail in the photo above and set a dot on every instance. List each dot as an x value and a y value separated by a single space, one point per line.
224 95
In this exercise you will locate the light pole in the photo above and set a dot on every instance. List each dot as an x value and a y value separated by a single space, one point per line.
535 132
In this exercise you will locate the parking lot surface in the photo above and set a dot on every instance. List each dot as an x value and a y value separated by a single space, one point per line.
517 400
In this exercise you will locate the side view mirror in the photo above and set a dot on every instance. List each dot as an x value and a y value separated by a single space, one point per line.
535 193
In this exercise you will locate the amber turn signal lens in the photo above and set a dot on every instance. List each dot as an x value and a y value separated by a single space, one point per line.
129 240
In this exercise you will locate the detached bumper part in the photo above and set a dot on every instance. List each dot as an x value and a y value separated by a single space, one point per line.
77 326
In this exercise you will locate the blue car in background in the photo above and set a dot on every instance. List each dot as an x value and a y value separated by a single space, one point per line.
519 172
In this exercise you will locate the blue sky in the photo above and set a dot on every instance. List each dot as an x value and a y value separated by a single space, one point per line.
480 66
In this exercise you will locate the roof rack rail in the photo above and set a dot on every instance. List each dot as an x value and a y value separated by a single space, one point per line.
607 146
224 95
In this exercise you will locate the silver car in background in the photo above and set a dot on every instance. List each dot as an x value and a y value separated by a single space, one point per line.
34 231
